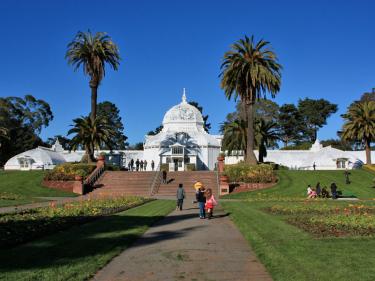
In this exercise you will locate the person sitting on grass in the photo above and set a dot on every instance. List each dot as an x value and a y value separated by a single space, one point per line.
311 193
318 189
334 190
325 193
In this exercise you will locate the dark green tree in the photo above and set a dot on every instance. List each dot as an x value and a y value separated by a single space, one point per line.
93 52
250 70
360 125
290 123
156 131
266 135
206 125
111 114
234 136
91 135
314 114
22 119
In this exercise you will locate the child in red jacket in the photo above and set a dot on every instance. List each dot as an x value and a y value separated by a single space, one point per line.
210 203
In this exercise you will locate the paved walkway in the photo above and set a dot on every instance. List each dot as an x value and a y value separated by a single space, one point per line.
183 247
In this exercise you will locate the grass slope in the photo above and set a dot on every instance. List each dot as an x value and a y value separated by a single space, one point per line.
291 254
78 253
26 184
294 184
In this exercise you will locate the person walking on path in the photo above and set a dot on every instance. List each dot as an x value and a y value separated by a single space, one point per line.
152 165
180 196
210 203
145 165
141 164
201 199
137 165
164 176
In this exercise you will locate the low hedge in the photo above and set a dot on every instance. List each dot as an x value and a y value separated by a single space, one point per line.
67 171
242 172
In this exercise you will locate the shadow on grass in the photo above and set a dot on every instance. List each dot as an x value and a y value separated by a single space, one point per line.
88 242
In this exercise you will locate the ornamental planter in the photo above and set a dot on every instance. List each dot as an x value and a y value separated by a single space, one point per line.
100 161
78 178
220 164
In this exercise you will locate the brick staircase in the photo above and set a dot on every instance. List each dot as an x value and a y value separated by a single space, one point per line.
114 183
208 178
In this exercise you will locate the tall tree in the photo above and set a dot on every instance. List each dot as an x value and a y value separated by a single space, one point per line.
91 135
250 70
266 136
368 96
111 113
93 52
290 122
360 125
315 114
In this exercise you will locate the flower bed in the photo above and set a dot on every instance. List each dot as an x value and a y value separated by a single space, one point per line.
242 172
324 220
16 228
68 171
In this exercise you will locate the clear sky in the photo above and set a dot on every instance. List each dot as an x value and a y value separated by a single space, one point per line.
325 47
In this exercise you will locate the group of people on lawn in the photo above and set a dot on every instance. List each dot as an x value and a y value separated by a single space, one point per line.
204 197
320 192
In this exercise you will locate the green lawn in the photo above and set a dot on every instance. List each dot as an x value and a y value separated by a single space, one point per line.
294 184
27 186
292 254
78 253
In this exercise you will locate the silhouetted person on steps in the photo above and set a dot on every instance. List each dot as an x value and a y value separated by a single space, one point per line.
164 175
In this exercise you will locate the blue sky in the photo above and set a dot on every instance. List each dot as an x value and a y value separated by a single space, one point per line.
325 47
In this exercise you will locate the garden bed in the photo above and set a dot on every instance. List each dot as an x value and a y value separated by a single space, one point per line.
17 228
327 220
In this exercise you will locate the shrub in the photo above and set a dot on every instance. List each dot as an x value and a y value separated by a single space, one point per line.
111 167
190 167
164 167
243 172
67 171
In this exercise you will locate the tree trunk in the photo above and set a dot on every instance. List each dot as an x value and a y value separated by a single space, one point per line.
250 156
368 152
94 98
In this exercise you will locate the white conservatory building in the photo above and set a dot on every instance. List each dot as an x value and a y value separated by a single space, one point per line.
183 142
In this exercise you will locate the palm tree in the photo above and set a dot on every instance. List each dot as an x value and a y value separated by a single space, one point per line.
249 71
235 136
266 135
360 125
93 52
91 135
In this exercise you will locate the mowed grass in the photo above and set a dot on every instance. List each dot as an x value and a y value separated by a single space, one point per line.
78 253
292 254
294 184
27 185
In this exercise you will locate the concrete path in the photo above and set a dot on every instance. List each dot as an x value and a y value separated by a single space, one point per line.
184 247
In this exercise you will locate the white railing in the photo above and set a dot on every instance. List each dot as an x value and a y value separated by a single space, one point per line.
156 181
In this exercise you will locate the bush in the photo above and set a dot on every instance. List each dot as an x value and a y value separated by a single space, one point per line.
242 172
67 171
190 167
164 167
111 167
